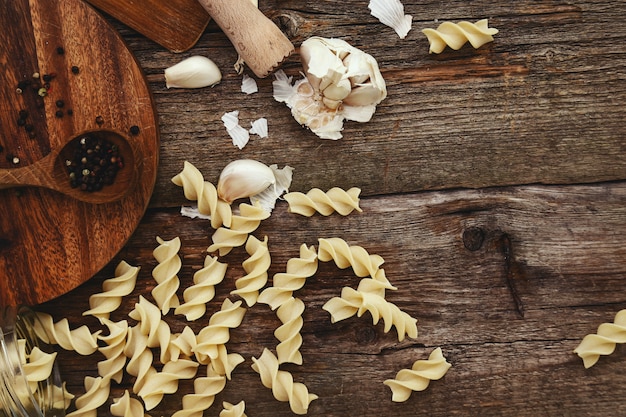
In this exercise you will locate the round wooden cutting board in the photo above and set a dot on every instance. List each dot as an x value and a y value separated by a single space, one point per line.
66 71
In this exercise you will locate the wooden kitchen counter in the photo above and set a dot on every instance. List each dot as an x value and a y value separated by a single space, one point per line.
493 185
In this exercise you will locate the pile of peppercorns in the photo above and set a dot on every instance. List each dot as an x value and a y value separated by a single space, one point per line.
94 164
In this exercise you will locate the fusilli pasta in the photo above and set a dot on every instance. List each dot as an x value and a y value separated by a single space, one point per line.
113 350
256 266
140 357
334 200
80 340
285 283
158 384
603 342
113 289
203 289
242 224
455 35
197 189
125 406
345 255
96 393
165 274
282 384
361 300
233 410
418 377
288 334
151 325
217 332
204 391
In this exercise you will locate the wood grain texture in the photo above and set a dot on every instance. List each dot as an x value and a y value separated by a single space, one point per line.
494 186
50 243
175 25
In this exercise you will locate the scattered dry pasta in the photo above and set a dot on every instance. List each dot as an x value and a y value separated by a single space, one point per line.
165 274
218 330
198 295
418 377
455 35
335 200
158 384
80 340
256 267
139 357
113 289
288 334
151 325
285 283
603 342
282 384
345 255
204 391
125 406
197 189
244 223
113 350
96 394
365 299
233 410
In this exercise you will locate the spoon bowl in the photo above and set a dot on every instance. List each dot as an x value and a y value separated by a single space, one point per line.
51 172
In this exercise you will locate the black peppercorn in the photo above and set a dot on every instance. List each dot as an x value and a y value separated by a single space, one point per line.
29 127
75 69
95 163
60 50
21 122
59 113
23 114
60 103
99 120
134 130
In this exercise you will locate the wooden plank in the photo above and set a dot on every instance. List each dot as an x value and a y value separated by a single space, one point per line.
566 254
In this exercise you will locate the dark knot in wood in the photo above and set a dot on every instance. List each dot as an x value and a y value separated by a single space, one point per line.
473 238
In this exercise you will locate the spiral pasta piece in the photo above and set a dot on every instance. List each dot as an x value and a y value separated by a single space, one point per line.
197 189
165 274
166 382
345 255
357 302
288 334
233 410
37 366
242 224
182 344
604 341
80 340
153 326
256 266
96 393
205 389
285 283
455 35
101 305
113 350
282 384
217 332
225 363
125 406
418 377
326 203
139 357
203 289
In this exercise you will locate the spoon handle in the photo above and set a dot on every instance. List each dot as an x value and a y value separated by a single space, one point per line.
259 42
38 174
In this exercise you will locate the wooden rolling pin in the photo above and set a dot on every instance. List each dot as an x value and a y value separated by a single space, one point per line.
259 42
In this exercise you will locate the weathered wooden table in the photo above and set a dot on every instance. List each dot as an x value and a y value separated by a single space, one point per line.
493 185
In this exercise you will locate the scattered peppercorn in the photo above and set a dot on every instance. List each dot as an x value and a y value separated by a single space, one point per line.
99 120
60 50
60 103
47 77
94 164
70 112
23 114
29 127
75 69
134 130
58 114
21 122
42 92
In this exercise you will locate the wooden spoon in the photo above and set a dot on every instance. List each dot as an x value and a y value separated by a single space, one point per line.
51 172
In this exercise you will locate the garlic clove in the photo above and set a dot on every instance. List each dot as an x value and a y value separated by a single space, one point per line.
359 114
194 72
364 95
244 178
338 91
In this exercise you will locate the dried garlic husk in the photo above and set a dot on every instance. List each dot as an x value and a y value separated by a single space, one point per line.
237 133
244 178
194 72
267 198
259 127
248 85
391 13
341 83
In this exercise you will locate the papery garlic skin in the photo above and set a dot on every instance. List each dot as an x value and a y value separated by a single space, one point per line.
244 178
194 72
341 83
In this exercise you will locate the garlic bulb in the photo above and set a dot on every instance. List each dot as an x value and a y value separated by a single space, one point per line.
194 72
341 83
244 178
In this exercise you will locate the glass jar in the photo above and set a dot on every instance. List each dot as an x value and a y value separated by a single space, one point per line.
18 396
